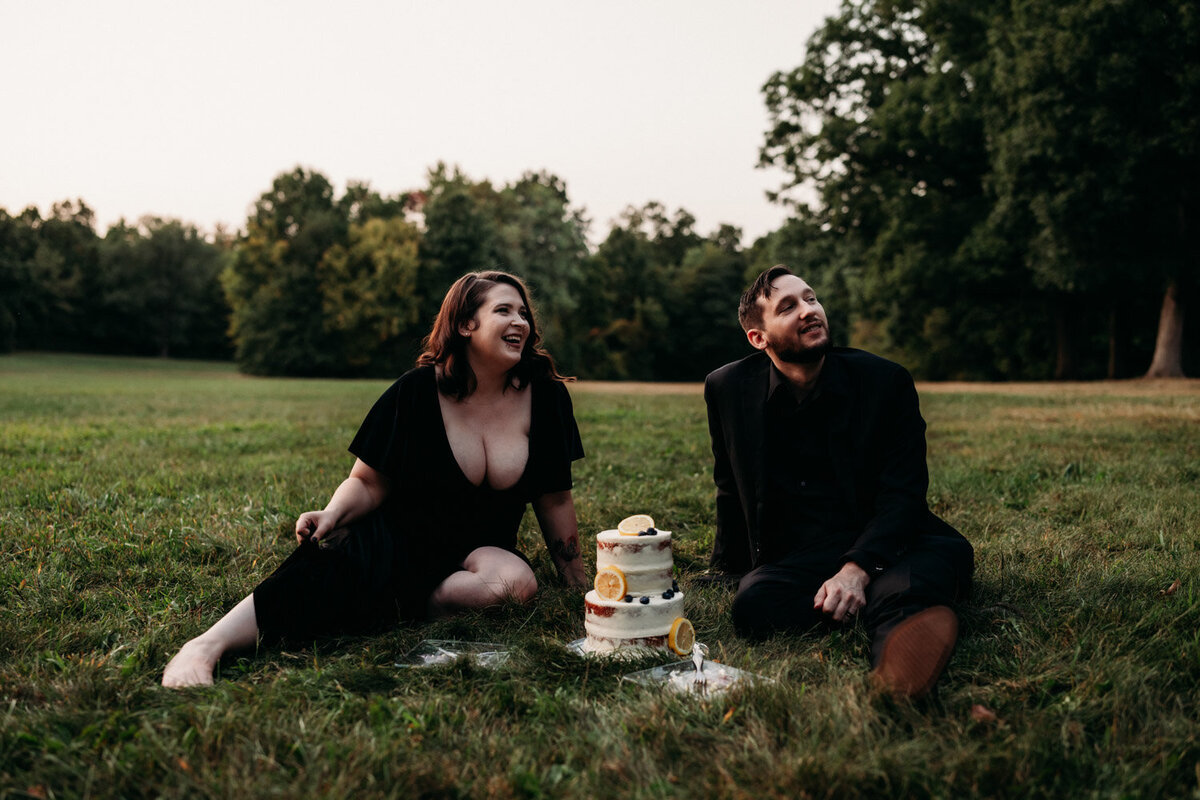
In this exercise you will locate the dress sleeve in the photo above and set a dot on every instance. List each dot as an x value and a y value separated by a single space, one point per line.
381 437
557 442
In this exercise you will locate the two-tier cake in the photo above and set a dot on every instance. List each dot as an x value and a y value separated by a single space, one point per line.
636 602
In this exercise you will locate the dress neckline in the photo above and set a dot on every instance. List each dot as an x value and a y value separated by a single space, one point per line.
445 440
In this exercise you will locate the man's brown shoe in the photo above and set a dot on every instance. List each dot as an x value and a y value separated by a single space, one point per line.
916 652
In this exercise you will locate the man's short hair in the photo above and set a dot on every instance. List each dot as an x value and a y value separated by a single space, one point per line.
749 311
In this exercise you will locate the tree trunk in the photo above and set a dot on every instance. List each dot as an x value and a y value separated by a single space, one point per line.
1113 357
1064 362
1168 347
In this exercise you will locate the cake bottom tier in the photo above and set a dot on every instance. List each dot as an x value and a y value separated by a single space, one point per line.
615 624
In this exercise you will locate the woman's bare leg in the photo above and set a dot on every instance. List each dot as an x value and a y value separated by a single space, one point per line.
488 577
193 664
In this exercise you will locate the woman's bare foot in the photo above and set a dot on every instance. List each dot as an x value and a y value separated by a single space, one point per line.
192 665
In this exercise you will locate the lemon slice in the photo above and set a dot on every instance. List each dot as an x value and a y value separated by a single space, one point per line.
682 636
610 583
632 526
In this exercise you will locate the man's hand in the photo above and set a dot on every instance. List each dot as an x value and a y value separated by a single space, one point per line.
843 594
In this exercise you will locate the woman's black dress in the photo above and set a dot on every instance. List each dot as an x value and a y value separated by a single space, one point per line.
392 559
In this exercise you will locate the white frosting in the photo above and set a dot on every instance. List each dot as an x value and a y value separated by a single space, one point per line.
615 623
648 566
647 561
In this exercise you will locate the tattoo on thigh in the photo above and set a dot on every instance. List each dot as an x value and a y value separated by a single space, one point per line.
565 550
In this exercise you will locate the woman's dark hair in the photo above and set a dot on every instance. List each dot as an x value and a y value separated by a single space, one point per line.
445 346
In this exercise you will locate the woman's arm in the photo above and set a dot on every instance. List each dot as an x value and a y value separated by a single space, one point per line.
556 516
358 495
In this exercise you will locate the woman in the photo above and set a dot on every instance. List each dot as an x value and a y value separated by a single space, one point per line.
426 523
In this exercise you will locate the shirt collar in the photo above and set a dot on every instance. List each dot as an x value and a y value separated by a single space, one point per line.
832 381
780 383
776 381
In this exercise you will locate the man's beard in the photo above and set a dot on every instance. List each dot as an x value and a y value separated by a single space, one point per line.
804 355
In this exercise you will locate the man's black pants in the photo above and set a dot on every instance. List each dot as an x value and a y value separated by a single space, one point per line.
778 596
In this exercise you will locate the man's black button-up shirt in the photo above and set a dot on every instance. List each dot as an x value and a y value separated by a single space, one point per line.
804 507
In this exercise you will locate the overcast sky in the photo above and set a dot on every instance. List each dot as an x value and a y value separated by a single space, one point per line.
189 110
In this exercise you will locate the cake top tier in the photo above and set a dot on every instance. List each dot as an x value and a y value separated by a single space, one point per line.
613 537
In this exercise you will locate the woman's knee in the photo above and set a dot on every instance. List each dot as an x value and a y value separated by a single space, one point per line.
507 574
520 583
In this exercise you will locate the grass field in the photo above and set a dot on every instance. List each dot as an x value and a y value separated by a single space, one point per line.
140 499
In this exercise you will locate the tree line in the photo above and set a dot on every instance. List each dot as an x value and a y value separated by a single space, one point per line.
326 284
149 288
1004 189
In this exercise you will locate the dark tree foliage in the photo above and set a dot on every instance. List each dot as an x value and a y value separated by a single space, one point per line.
460 233
160 292
987 173
703 308
322 285
1095 161
151 289
369 296
627 286
23 299
65 266
543 240
883 124
1000 189
330 286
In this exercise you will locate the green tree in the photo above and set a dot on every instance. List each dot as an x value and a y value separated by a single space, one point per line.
361 203
22 300
460 234
544 241
369 291
64 270
670 236
185 307
704 328
1095 144
273 284
658 300
160 291
623 306
992 173
883 123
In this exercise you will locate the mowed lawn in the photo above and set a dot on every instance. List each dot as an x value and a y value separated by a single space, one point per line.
140 499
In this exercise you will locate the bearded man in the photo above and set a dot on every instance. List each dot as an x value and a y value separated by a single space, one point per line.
821 482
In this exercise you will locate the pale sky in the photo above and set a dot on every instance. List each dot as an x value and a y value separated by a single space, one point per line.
189 110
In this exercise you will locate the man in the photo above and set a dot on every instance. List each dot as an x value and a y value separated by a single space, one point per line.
821 480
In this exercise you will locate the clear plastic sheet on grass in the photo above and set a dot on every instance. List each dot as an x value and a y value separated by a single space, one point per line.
697 675
432 652
713 679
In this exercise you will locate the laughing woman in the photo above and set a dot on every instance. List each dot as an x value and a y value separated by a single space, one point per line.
426 523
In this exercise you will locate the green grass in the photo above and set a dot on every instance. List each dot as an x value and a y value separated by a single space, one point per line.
139 500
